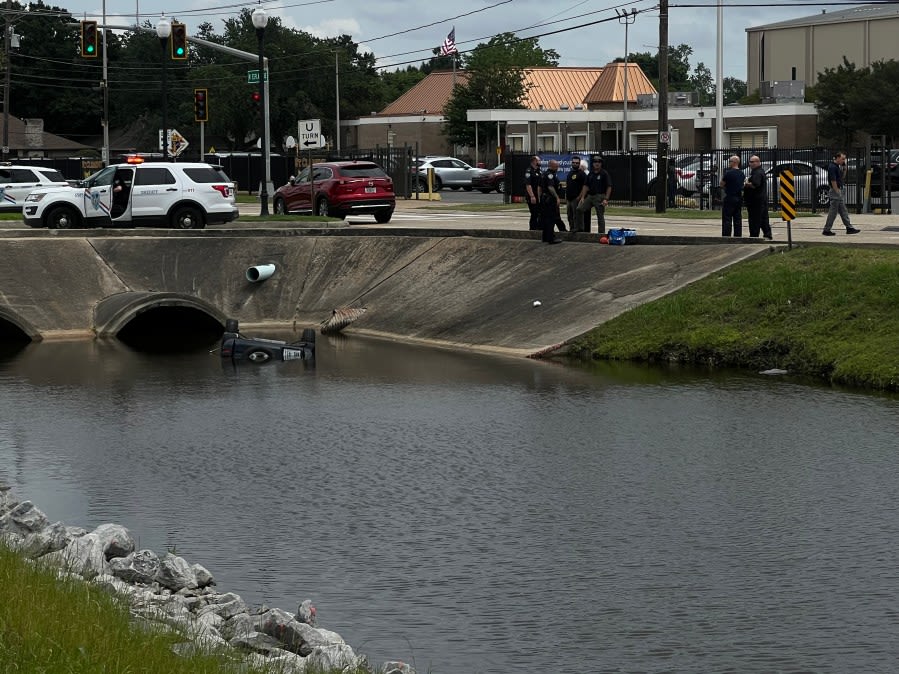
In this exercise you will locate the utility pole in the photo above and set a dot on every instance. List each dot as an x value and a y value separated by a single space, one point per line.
104 85
7 29
662 148
627 18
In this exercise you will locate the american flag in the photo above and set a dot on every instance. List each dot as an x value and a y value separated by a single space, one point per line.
449 44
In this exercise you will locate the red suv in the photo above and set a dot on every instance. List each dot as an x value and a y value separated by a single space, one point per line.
337 189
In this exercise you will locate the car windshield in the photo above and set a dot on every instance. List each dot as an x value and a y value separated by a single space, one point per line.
52 175
363 171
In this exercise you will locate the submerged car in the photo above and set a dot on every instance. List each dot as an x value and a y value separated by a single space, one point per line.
238 347
337 189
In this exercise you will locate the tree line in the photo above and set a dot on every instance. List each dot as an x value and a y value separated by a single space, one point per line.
50 80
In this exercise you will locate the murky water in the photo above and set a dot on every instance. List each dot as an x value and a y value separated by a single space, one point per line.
478 514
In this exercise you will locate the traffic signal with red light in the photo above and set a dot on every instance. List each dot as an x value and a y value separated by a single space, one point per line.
89 39
201 110
256 97
179 41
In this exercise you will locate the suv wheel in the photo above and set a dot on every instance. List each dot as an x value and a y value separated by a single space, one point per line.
280 207
501 186
321 207
188 217
383 217
62 217
823 196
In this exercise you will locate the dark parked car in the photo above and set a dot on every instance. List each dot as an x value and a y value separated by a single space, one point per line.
337 189
494 179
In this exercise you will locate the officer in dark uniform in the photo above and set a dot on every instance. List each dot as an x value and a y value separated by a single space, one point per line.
574 183
551 203
532 178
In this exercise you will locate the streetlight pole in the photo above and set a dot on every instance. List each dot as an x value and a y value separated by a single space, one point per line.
7 37
260 19
337 95
163 31
627 18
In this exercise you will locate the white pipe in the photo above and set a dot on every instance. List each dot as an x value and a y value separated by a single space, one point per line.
260 272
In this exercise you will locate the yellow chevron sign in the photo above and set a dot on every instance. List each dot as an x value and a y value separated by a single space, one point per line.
787 196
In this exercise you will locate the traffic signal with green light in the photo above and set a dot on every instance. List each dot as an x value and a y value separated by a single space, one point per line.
201 109
179 41
89 39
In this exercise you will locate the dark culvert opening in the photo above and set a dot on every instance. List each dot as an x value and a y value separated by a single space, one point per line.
171 330
12 339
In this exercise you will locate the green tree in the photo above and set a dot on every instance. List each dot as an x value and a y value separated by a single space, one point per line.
872 103
833 94
678 66
703 83
734 90
495 73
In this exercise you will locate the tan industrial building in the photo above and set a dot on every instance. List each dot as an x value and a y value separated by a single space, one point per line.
799 50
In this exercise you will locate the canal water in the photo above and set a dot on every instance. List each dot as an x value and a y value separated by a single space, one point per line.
480 514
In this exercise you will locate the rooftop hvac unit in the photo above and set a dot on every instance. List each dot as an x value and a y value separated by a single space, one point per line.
682 98
647 101
782 91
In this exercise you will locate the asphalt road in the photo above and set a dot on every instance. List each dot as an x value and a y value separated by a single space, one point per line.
418 214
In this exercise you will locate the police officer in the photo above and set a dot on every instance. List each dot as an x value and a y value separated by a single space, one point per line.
532 178
551 203
574 183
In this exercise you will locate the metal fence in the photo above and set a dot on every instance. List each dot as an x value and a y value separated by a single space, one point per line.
697 175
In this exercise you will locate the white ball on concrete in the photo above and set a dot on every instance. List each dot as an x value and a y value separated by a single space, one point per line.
537 303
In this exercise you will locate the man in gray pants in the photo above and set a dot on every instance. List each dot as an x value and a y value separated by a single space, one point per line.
837 203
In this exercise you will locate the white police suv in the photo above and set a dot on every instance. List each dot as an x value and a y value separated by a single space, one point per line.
17 181
138 193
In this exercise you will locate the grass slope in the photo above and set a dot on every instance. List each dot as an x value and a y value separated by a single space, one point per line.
48 625
824 311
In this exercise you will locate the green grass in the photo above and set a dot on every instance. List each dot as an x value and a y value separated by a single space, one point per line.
69 626
820 311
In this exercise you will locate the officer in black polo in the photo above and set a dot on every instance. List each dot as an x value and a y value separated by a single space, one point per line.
574 184
551 203
596 192
532 179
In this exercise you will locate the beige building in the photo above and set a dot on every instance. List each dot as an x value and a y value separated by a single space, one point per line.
799 49
416 117
580 109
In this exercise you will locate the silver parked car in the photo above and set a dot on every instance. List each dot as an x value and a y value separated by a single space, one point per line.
448 172
809 182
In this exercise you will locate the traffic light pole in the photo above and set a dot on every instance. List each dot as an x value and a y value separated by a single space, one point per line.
247 56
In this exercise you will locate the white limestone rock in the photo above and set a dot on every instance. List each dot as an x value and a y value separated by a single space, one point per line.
23 519
116 540
137 567
82 556
334 657
174 573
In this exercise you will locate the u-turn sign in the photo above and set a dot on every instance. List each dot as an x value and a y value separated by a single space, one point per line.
309 132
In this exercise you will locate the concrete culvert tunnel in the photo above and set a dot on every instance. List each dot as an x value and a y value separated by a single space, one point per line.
171 329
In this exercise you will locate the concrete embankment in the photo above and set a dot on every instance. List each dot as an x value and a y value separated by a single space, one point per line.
464 288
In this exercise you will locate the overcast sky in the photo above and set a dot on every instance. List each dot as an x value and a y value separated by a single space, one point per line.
404 31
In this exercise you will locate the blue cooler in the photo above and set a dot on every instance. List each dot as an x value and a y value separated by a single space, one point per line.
619 237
